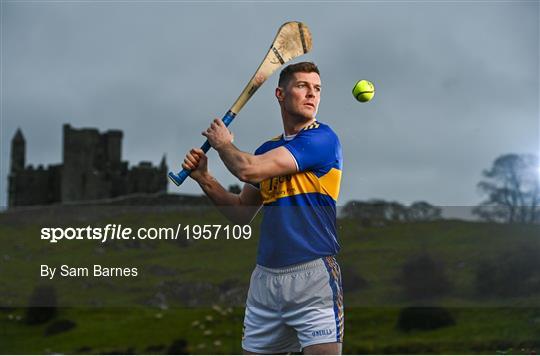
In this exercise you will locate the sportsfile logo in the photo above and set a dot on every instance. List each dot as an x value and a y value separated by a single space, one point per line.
119 232
324 332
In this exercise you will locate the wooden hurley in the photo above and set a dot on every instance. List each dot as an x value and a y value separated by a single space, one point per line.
292 40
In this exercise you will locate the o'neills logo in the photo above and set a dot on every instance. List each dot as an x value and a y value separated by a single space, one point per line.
324 332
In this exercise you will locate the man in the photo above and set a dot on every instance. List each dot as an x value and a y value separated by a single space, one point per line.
295 300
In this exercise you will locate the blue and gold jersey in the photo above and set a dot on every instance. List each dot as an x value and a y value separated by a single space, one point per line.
299 210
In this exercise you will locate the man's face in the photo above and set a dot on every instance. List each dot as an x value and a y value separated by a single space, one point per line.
301 95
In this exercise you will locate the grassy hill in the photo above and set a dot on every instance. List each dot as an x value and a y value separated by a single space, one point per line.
189 295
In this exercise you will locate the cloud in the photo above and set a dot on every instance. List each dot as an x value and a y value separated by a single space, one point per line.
457 84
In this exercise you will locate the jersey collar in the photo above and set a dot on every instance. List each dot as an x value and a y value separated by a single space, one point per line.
290 137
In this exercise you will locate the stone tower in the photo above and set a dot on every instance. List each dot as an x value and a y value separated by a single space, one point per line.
18 152
113 148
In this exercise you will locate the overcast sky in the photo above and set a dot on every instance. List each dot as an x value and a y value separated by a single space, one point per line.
457 84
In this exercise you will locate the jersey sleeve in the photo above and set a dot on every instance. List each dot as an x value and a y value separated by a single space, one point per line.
314 148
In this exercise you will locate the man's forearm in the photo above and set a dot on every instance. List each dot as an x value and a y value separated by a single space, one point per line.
229 204
235 160
216 192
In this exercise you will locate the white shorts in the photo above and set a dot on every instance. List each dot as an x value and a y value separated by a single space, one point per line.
290 308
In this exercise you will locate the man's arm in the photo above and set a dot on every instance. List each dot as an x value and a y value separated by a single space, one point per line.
238 208
245 166
256 168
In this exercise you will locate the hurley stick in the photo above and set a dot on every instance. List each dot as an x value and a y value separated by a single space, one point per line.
292 40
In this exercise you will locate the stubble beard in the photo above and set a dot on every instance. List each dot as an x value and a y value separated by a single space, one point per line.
301 116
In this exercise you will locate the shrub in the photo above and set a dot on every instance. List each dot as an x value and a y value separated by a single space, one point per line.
424 318
515 273
178 347
42 305
59 326
422 277
352 280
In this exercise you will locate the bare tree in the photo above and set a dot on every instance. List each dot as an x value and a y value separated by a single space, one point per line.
512 187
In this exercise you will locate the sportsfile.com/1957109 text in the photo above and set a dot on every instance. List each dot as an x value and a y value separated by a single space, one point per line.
118 232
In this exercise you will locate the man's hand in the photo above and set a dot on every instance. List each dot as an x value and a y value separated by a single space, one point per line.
197 162
218 134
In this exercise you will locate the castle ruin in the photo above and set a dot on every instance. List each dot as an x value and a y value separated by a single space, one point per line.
92 169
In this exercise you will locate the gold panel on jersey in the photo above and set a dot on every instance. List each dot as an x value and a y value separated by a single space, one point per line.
276 188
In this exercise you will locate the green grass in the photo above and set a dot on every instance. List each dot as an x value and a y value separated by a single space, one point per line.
367 330
125 322
121 329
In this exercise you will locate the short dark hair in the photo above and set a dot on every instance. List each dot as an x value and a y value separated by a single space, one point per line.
288 71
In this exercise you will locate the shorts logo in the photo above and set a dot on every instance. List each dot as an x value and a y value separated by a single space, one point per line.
324 332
